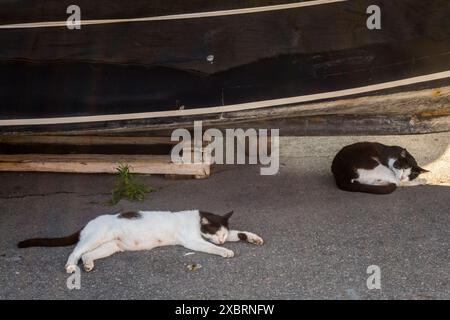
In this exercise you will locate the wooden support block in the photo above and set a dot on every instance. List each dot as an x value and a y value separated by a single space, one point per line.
57 155
100 163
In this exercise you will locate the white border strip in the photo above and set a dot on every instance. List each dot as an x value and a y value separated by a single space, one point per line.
229 108
175 16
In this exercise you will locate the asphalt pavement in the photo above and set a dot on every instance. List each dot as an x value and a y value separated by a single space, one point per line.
319 241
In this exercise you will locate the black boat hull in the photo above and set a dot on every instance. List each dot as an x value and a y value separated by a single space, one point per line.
163 72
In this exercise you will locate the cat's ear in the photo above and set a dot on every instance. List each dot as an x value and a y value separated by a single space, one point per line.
228 215
204 221
403 153
422 170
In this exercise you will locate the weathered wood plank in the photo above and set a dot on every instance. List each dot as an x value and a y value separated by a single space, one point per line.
100 164
413 109
84 140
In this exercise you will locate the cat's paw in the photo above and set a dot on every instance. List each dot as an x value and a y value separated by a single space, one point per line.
421 181
71 268
255 239
227 253
415 182
88 266
406 183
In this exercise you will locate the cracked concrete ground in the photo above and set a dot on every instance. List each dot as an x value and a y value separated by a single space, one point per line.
319 240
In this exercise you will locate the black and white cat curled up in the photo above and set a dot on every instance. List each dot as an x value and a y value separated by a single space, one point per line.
373 167
145 230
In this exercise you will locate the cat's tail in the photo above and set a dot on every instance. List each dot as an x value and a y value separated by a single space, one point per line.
50 242
367 188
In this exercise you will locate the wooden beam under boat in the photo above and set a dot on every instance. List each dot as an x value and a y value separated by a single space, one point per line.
422 108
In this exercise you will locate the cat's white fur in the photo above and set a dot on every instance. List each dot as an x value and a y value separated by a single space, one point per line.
108 234
382 175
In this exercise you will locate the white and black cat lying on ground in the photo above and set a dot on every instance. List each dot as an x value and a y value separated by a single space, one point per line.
145 230
375 168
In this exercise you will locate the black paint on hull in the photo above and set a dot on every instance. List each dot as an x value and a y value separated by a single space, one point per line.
162 66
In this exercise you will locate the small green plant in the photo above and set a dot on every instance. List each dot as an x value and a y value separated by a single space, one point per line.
127 188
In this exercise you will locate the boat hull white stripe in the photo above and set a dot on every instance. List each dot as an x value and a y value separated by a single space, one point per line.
174 16
228 108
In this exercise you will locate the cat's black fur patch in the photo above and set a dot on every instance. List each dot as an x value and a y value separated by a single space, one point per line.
130 215
242 236
215 222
